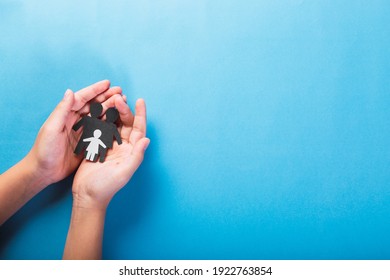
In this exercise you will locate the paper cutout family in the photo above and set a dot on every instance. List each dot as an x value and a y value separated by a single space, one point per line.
98 135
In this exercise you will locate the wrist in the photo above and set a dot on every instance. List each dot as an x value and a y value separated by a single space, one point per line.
82 200
85 235
79 212
32 174
38 168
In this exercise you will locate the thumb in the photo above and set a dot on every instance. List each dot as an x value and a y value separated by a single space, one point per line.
57 119
137 155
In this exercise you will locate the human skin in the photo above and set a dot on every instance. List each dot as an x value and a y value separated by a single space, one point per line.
51 158
96 183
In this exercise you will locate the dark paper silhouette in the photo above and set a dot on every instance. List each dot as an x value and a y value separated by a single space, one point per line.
97 135
110 132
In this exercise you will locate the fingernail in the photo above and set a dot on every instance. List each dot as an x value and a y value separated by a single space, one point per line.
146 145
67 94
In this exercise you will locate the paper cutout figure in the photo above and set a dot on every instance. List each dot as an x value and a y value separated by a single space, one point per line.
89 124
93 147
99 134
110 132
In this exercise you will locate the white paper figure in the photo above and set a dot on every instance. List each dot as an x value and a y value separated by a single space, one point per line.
93 147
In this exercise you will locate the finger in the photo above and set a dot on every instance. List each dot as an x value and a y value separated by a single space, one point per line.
139 126
138 152
126 117
107 94
58 118
109 103
102 98
85 95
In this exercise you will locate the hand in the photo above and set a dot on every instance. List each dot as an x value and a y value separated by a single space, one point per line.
96 183
52 153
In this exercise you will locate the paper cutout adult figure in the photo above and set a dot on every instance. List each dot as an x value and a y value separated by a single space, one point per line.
110 132
89 123
94 144
92 126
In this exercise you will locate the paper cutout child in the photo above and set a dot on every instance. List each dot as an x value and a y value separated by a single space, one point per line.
89 123
94 143
110 132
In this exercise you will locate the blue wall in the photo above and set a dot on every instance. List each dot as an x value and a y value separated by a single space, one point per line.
269 124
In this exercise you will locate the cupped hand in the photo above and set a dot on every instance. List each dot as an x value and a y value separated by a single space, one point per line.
52 153
96 183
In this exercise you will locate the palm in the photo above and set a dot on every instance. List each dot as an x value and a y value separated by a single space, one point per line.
103 180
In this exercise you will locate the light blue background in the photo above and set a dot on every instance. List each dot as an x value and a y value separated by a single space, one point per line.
269 124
